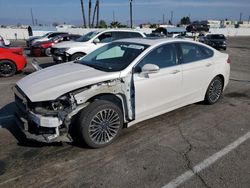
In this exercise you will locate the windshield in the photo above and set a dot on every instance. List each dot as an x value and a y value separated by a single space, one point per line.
87 37
218 37
114 56
47 34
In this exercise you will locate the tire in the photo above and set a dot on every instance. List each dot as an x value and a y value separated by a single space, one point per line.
7 68
214 91
47 52
94 123
76 56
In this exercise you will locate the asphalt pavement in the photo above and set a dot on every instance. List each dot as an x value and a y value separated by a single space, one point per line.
195 146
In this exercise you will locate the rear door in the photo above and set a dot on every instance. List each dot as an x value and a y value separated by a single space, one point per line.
197 67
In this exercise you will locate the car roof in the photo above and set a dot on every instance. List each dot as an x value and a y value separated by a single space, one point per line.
119 30
153 41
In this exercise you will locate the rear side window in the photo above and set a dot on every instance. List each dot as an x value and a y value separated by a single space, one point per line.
123 35
193 52
135 35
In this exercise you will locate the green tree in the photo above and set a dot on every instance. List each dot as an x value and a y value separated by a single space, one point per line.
185 21
115 24
102 24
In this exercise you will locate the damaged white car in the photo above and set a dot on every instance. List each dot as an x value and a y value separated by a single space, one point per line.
116 86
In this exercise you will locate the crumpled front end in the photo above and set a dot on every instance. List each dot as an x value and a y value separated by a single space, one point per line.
39 122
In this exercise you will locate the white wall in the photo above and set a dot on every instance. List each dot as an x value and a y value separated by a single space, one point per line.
23 33
233 32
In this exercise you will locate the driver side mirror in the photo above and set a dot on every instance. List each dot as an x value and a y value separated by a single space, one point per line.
150 68
96 40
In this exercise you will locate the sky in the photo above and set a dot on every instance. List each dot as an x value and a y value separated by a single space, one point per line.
69 11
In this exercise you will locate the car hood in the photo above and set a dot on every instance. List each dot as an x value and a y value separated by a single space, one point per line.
51 83
69 44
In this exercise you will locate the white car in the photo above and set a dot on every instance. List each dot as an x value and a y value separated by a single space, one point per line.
74 50
116 86
4 42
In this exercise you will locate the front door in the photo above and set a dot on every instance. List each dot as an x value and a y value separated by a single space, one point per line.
157 93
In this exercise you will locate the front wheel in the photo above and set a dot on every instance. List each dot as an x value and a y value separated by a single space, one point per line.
7 68
214 90
100 123
76 56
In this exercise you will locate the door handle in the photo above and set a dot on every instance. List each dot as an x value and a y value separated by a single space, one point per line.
175 71
208 65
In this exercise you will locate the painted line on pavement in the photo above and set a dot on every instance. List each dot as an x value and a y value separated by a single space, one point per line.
207 162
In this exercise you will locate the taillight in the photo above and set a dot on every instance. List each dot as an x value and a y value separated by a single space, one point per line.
229 61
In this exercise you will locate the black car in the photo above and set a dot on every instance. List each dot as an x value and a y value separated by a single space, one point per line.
217 41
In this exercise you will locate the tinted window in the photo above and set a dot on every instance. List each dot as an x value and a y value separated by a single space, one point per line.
121 35
163 56
105 37
208 52
192 52
217 37
136 35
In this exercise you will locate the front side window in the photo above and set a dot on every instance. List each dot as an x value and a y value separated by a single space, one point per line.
113 57
191 52
163 56
105 37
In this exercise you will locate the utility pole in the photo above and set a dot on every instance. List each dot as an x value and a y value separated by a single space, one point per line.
97 14
131 13
90 4
95 10
240 16
83 14
248 19
163 19
32 17
113 16
172 15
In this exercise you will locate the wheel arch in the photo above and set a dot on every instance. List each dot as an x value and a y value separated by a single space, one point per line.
117 99
83 53
10 61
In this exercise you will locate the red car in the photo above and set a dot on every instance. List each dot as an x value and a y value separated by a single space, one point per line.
12 60
43 48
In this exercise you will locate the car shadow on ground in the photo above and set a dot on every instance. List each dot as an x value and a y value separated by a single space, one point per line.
8 122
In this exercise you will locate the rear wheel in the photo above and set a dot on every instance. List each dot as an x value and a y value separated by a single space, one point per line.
76 56
7 68
100 124
214 90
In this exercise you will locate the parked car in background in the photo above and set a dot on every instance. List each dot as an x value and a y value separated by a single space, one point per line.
74 50
217 41
43 48
11 61
45 37
116 86
168 32
4 42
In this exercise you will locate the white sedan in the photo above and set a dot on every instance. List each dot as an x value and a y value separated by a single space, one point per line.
116 86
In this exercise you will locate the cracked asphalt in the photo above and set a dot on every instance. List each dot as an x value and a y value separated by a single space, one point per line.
149 154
